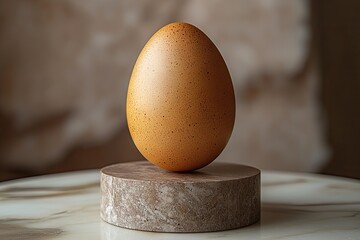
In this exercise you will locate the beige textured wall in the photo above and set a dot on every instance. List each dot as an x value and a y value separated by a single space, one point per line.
65 67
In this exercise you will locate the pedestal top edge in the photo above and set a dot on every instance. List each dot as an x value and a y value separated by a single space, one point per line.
145 171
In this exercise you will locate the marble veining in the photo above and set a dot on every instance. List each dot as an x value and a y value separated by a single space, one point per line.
66 206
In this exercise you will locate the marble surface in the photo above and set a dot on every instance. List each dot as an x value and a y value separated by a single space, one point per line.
66 206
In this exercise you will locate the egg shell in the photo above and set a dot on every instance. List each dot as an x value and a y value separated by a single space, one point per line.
180 104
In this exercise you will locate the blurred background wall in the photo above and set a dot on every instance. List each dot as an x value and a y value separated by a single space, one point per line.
65 66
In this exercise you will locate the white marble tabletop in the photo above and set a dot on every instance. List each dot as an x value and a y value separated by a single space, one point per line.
66 206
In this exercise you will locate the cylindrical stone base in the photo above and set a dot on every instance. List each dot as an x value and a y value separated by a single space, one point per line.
141 196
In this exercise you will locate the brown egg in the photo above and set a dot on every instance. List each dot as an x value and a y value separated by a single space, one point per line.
180 103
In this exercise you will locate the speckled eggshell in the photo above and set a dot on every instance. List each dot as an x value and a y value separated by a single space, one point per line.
180 103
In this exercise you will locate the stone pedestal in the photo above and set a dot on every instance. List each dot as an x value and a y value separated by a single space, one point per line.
141 196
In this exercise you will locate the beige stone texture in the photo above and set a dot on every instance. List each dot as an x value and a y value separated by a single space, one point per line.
141 196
